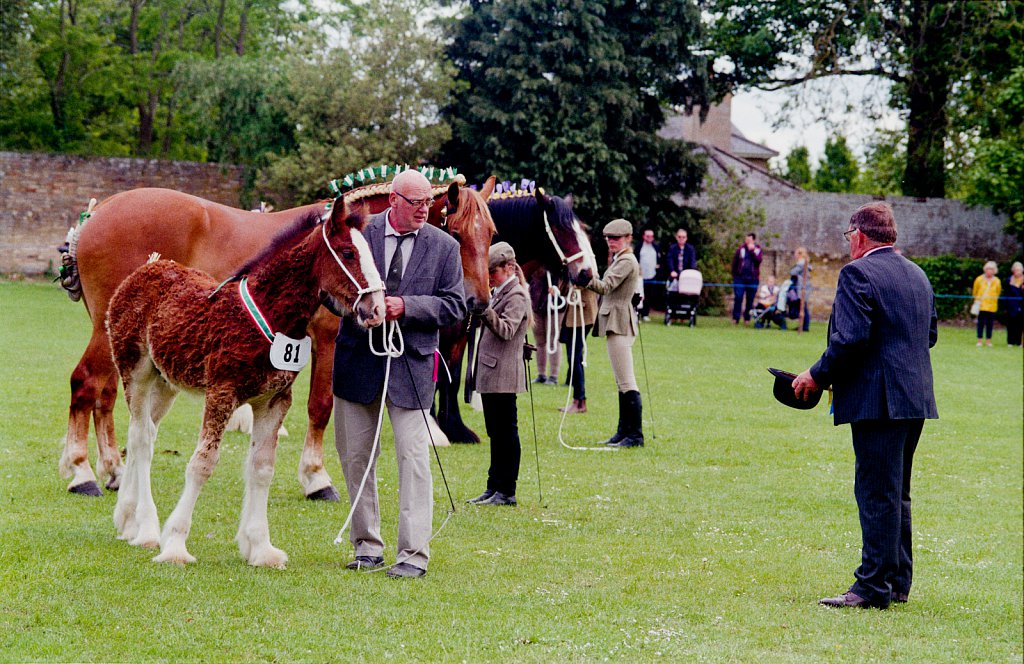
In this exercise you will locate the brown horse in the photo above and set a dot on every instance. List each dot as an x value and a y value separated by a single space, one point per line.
216 239
172 328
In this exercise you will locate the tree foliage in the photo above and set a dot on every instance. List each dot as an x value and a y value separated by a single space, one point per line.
572 94
925 48
838 170
798 166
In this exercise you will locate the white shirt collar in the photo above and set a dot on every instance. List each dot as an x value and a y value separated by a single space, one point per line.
497 289
390 230
884 246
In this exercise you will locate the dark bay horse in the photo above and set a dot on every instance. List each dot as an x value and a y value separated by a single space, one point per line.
545 234
172 328
121 233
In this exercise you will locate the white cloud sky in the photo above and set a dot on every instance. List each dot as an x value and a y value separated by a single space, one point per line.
852 105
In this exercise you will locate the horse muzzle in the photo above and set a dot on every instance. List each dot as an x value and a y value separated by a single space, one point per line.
370 310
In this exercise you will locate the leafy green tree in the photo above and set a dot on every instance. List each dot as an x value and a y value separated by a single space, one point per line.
369 102
996 177
572 94
838 170
885 163
798 166
924 48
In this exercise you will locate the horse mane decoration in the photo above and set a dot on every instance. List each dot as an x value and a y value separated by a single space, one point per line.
166 335
376 181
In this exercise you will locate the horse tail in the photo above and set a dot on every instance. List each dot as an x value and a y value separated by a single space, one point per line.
69 278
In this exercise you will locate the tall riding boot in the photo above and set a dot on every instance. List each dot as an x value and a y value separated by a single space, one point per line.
620 431
633 429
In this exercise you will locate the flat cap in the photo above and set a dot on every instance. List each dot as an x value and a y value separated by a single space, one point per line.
618 228
499 254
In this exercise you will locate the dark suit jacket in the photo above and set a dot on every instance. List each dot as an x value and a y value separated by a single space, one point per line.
882 326
434 297
689 261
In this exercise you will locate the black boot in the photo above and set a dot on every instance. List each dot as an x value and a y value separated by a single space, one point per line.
633 428
620 431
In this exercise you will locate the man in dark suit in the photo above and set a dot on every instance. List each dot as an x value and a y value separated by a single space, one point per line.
878 364
423 282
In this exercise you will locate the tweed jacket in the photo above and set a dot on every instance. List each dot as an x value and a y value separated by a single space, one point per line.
432 290
616 313
500 366
882 326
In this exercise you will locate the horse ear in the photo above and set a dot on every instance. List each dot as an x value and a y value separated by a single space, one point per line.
453 197
488 188
568 199
343 214
542 198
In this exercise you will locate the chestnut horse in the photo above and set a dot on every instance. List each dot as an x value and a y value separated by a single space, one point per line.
173 328
216 239
545 234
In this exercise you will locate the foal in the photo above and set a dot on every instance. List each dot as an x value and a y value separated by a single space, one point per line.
172 329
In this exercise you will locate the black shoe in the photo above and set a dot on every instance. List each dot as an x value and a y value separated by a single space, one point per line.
629 441
632 421
540 379
481 498
552 380
366 562
499 498
405 571
619 432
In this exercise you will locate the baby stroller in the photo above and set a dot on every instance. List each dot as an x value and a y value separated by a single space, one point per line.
683 296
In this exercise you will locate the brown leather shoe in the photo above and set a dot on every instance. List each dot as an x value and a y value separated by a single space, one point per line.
900 598
846 599
577 406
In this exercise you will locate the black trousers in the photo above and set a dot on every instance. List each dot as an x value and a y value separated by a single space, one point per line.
501 418
579 384
1014 324
884 451
985 321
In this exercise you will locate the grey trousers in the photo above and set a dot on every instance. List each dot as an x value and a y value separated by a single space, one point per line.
620 354
354 426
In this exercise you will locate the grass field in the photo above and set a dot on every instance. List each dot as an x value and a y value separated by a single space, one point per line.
712 543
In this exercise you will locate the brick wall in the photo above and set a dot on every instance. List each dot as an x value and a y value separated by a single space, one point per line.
42 194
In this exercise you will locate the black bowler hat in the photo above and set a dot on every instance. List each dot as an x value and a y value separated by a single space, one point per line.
783 391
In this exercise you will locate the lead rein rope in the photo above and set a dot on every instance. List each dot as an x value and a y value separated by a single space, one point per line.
392 346
555 304
575 300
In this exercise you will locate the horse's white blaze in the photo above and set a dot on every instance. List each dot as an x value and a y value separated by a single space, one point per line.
370 273
589 261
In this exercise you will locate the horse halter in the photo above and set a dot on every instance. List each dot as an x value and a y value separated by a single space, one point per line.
561 254
360 291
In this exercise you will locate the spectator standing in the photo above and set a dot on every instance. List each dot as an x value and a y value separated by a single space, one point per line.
801 276
987 289
1014 304
650 262
746 274
501 373
681 255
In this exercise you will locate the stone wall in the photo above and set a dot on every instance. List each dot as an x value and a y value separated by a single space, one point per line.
41 196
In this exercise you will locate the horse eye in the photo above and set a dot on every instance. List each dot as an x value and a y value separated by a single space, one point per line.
456 236
348 254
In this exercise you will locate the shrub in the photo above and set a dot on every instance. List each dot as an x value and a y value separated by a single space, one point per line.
951 275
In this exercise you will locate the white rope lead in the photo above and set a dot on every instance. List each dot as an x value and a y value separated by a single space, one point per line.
393 346
391 349
555 304
575 301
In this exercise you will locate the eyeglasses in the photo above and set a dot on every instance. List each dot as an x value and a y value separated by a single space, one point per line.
847 234
416 203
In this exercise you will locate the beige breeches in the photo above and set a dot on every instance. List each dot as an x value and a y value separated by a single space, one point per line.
620 354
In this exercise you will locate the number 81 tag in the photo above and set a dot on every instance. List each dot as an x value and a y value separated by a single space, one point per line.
290 354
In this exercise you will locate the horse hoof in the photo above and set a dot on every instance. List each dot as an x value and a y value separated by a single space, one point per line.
328 493
86 489
178 558
113 484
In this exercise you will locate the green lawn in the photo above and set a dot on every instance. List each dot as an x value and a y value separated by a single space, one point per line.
712 543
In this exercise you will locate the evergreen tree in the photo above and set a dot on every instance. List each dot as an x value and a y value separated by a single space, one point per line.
572 94
839 170
798 166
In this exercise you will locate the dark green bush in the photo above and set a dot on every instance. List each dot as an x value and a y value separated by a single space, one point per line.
951 275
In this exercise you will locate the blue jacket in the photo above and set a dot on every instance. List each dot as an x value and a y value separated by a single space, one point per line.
882 326
434 298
